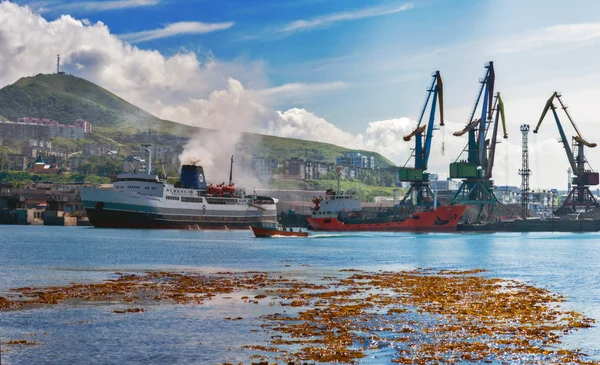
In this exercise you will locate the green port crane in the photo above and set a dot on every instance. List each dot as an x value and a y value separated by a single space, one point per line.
419 193
476 171
580 195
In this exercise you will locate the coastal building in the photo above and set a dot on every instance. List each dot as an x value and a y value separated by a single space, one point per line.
447 184
508 194
84 124
100 149
17 162
75 162
262 168
294 169
41 203
299 169
356 159
134 164
38 128
34 147
40 167
316 169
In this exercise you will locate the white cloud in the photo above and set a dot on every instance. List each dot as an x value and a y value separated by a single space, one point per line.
330 19
299 123
94 6
304 88
557 38
176 29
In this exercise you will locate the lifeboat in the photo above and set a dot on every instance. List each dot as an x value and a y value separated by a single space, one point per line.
215 190
228 189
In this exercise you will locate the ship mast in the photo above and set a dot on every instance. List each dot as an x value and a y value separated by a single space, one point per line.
231 171
149 164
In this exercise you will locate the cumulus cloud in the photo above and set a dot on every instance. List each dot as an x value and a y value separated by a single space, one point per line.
384 136
176 29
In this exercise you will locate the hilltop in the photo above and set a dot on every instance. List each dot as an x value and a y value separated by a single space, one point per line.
66 98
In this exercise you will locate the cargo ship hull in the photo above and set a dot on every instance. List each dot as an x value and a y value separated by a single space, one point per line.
120 219
443 219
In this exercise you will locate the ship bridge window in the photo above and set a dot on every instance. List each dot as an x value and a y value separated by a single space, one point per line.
187 199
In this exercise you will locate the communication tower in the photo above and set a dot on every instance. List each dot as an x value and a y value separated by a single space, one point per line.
58 63
524 171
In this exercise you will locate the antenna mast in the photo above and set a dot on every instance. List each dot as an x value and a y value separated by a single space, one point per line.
524 171
58 63
231 171
146 147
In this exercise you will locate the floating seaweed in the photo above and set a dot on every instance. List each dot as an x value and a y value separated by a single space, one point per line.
413 317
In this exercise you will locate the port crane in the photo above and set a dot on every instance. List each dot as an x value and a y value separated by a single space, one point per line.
476 171
580 195
419 193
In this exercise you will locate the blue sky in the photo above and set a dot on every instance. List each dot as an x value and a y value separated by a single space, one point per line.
356 69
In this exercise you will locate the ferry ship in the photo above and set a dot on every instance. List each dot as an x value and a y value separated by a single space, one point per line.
345 213
142 200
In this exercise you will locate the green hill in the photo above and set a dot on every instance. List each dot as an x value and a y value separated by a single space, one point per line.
66 98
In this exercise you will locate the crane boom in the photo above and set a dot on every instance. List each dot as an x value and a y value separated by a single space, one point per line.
423 148
501 112
440 86
469 126
420 129
430 127
427 98
546 108
499 115
578 138
565 142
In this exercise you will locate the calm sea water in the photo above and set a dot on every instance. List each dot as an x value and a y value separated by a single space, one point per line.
186 334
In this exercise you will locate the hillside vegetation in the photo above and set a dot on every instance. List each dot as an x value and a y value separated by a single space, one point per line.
66 98
20 178
284 148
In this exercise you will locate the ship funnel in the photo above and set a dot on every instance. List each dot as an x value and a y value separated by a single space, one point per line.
192 177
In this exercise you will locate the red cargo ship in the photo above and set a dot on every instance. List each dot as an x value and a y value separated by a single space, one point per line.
345 213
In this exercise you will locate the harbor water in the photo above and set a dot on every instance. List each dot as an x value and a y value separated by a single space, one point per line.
91 333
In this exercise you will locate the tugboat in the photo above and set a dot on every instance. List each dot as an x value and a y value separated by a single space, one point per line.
345 213
270 229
